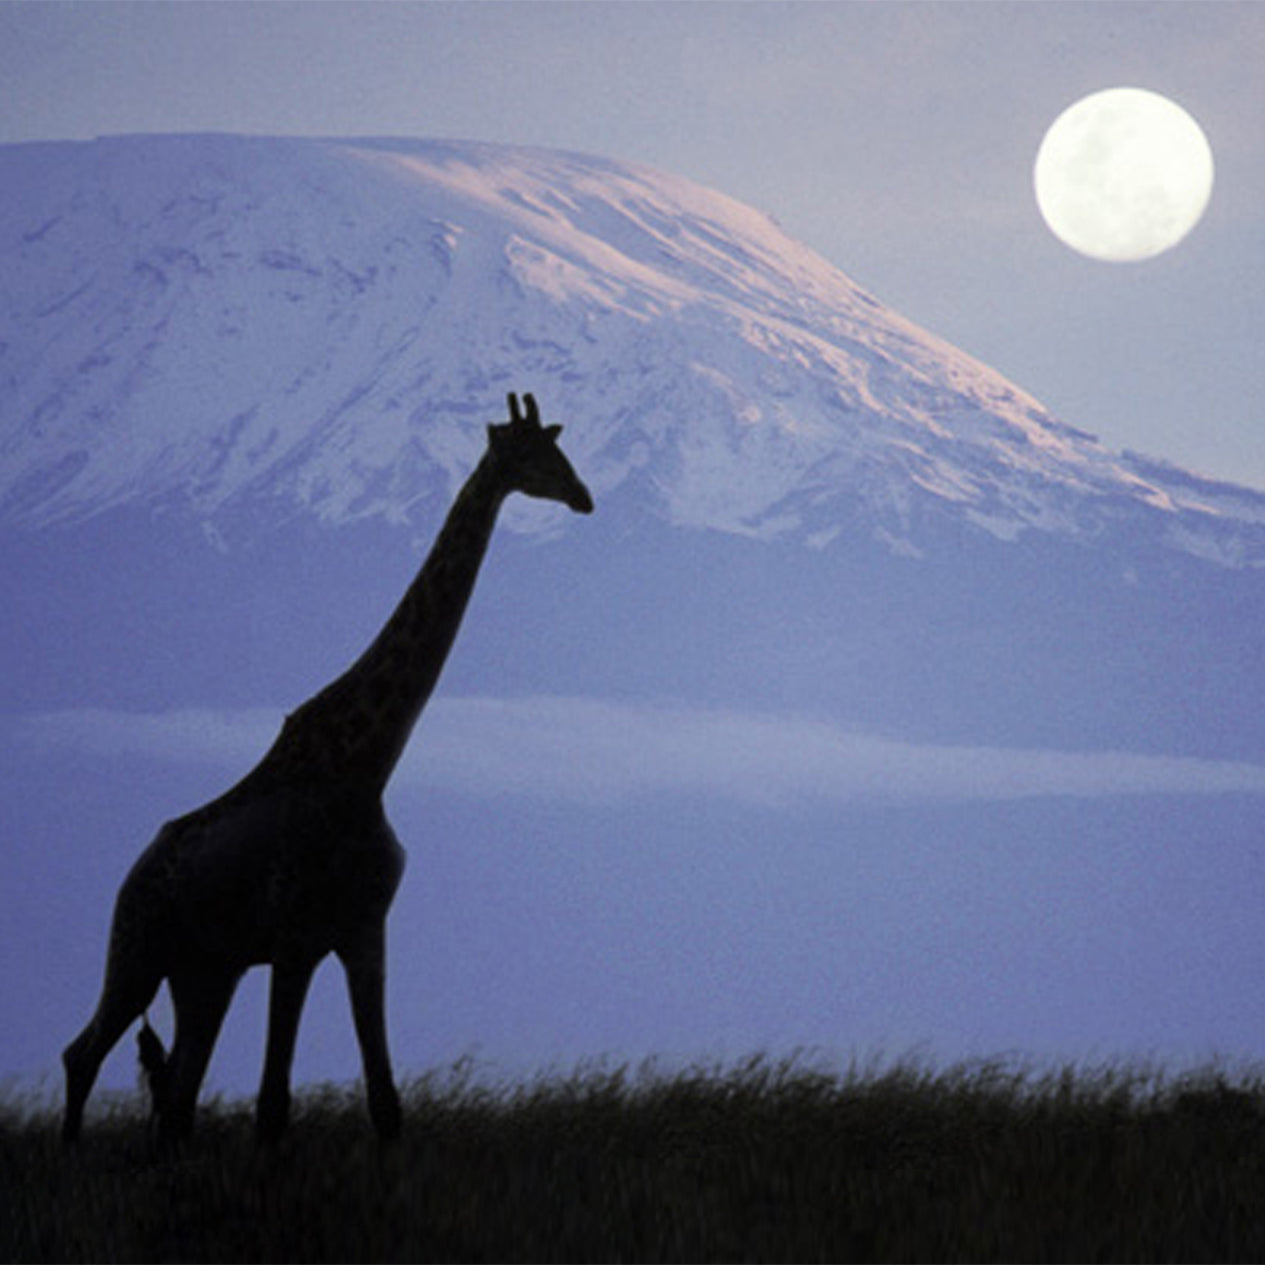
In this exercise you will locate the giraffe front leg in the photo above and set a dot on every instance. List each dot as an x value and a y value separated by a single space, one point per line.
290 981
364 961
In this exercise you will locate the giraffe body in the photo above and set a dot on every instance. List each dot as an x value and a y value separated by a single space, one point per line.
298 860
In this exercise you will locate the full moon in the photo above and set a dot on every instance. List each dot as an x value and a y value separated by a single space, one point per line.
1123 175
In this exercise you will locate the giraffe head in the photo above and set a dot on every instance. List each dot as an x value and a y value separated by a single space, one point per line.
528 455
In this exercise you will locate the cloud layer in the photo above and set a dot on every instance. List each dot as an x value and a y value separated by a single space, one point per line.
599 751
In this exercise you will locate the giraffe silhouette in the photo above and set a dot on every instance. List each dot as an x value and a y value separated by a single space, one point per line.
297 860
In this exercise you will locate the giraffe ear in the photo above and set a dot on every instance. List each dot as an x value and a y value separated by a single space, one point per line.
552 432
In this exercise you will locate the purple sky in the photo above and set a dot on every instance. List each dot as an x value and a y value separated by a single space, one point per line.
896 139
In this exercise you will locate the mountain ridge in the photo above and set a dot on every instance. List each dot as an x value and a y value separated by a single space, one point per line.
331 321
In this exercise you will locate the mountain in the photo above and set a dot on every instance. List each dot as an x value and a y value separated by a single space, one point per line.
205 322
873 709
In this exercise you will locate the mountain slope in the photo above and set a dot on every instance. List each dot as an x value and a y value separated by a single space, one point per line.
323 326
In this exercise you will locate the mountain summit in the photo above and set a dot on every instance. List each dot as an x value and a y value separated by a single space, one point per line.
207 322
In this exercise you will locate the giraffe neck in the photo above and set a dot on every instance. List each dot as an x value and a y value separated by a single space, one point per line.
358 725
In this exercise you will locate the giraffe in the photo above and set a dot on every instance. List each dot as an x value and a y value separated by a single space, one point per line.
297 860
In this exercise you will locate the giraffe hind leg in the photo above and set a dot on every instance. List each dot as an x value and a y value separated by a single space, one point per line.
125 996
200 999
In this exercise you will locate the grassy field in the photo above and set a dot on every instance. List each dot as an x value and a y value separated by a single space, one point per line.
757 1162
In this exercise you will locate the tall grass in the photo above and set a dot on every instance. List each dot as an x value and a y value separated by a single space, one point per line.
762 1161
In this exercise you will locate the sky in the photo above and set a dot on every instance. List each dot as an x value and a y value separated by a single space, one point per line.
896 139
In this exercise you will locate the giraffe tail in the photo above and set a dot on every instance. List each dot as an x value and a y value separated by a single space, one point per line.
153 1060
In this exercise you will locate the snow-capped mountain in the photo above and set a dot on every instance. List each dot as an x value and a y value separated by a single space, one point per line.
777 783
205 322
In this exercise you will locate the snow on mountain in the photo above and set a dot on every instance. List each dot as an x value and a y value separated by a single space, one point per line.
203 322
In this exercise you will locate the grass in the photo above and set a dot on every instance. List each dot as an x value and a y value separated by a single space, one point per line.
761 1161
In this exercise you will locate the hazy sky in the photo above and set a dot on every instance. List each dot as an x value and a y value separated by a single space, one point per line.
897 139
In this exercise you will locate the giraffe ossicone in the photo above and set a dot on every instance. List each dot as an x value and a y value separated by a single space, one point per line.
297 860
